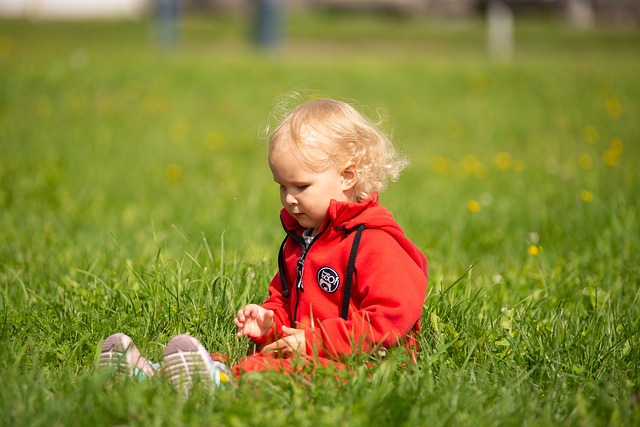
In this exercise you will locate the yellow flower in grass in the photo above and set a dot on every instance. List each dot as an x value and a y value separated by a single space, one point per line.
617 145
611 157
440 165
534 250
591 134
586 196
473 206
473 166
503 161
613 108
173 172
214 140
585 161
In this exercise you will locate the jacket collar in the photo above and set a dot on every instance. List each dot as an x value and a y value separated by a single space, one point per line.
339 215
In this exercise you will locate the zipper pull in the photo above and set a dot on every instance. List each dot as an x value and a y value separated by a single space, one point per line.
299 271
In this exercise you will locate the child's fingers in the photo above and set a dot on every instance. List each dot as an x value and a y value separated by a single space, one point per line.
276 346
240 326
249 311
246 311
282 347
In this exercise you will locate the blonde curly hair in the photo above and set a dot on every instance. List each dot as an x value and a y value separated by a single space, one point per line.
325 132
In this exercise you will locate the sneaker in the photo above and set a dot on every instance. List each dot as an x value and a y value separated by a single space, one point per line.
186 361
121 354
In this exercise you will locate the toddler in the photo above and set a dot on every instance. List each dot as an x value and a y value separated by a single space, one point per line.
349 281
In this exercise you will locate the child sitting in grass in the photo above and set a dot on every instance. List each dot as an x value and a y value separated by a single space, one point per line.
349 281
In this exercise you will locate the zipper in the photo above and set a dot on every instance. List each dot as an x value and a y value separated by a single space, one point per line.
300 272
299 284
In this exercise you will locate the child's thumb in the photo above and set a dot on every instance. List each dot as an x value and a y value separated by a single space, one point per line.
288 331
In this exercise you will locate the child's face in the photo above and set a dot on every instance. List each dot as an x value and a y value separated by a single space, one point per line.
306 194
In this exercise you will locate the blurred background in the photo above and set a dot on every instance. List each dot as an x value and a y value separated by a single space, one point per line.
623 11
124 119
577 12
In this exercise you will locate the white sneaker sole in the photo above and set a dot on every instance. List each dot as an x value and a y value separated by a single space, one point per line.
115 354
186 361
121 354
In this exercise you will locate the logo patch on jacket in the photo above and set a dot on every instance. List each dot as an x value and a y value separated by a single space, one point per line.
328 279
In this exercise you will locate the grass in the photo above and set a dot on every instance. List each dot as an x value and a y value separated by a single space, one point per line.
135 197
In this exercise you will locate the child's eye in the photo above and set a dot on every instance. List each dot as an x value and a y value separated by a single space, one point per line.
302 187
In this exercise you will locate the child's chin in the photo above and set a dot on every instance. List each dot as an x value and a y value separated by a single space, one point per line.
304 222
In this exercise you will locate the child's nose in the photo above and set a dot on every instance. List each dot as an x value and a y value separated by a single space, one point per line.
290 199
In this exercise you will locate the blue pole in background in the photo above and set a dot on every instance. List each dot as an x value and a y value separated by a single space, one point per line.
268 25
168 23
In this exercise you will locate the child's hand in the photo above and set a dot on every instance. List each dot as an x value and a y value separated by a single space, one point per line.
293 343
253 321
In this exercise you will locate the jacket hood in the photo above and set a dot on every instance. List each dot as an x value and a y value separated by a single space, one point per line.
348 216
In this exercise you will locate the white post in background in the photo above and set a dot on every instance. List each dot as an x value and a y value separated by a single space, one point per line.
500 30
580 14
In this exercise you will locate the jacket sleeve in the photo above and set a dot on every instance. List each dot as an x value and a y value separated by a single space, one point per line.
280 306
389 289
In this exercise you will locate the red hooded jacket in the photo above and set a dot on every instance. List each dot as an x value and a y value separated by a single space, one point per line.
388 288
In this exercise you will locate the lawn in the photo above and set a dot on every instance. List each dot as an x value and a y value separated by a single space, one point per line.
135 197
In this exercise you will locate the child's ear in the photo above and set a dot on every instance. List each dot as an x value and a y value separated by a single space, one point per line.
349 175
